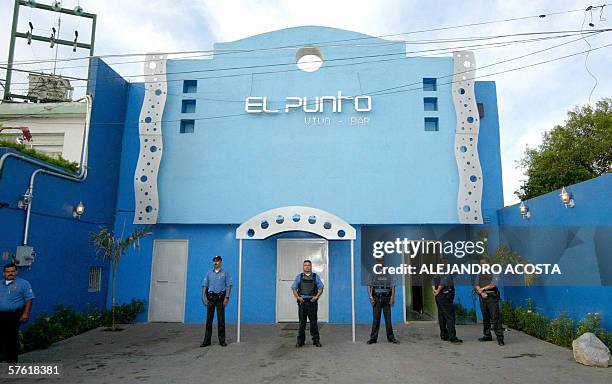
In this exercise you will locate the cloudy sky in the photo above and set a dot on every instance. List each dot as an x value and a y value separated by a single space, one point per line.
531 100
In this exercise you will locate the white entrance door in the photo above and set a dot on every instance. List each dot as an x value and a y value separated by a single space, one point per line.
290 256
168 280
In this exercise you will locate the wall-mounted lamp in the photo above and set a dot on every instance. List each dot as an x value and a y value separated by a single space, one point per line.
57 6
566 198
78 10
524 211
26 200
79 210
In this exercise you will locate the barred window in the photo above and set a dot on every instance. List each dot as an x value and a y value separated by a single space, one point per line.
95 279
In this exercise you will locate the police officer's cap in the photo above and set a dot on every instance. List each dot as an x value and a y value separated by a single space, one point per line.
217 258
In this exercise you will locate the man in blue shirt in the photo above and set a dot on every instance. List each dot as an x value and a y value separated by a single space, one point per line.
307 288
15 304
216 288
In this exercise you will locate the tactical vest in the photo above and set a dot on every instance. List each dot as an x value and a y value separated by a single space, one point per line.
381 285
308 285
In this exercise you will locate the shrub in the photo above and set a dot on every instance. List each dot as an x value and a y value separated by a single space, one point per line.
592 323
508 315
561 331
65 322
464 315
60 162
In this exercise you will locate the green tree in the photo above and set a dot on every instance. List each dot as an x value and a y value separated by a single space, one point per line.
111 248
577 151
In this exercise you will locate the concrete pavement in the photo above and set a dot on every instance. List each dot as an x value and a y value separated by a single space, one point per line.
170 353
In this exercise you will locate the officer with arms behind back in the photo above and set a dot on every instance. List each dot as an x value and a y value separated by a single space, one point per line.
15 304
381 292
486 286
216 288
444 291
307 288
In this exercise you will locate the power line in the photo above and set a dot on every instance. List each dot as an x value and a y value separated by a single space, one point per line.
557 34
237 51
403 57
389 92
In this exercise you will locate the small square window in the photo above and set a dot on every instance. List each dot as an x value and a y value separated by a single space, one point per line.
430 103
431 124
190 86
429 84
187 126
188 106
95 279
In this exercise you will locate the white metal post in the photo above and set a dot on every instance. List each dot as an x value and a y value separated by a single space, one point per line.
239 288
353 286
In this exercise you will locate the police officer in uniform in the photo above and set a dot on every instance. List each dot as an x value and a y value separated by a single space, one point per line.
381 292
15 304
486 286
307 289
444 291
216 288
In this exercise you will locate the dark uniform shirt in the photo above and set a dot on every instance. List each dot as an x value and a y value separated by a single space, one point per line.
445 280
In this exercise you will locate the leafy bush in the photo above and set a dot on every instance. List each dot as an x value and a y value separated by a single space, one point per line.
464 315
592 323
65 322
60 162
560 331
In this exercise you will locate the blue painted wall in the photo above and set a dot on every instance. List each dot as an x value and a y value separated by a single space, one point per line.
230 169
542 238
259 273
242 165
59 274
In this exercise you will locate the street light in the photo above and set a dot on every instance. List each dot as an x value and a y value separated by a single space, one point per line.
524 210
79 210
566 198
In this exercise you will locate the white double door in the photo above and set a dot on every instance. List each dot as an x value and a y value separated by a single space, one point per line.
290 256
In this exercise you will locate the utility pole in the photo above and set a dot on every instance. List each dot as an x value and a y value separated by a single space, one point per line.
56 7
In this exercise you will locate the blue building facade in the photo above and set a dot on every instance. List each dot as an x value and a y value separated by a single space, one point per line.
327 120
237 141
60 273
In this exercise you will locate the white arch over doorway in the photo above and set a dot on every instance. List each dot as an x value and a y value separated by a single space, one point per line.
295 218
